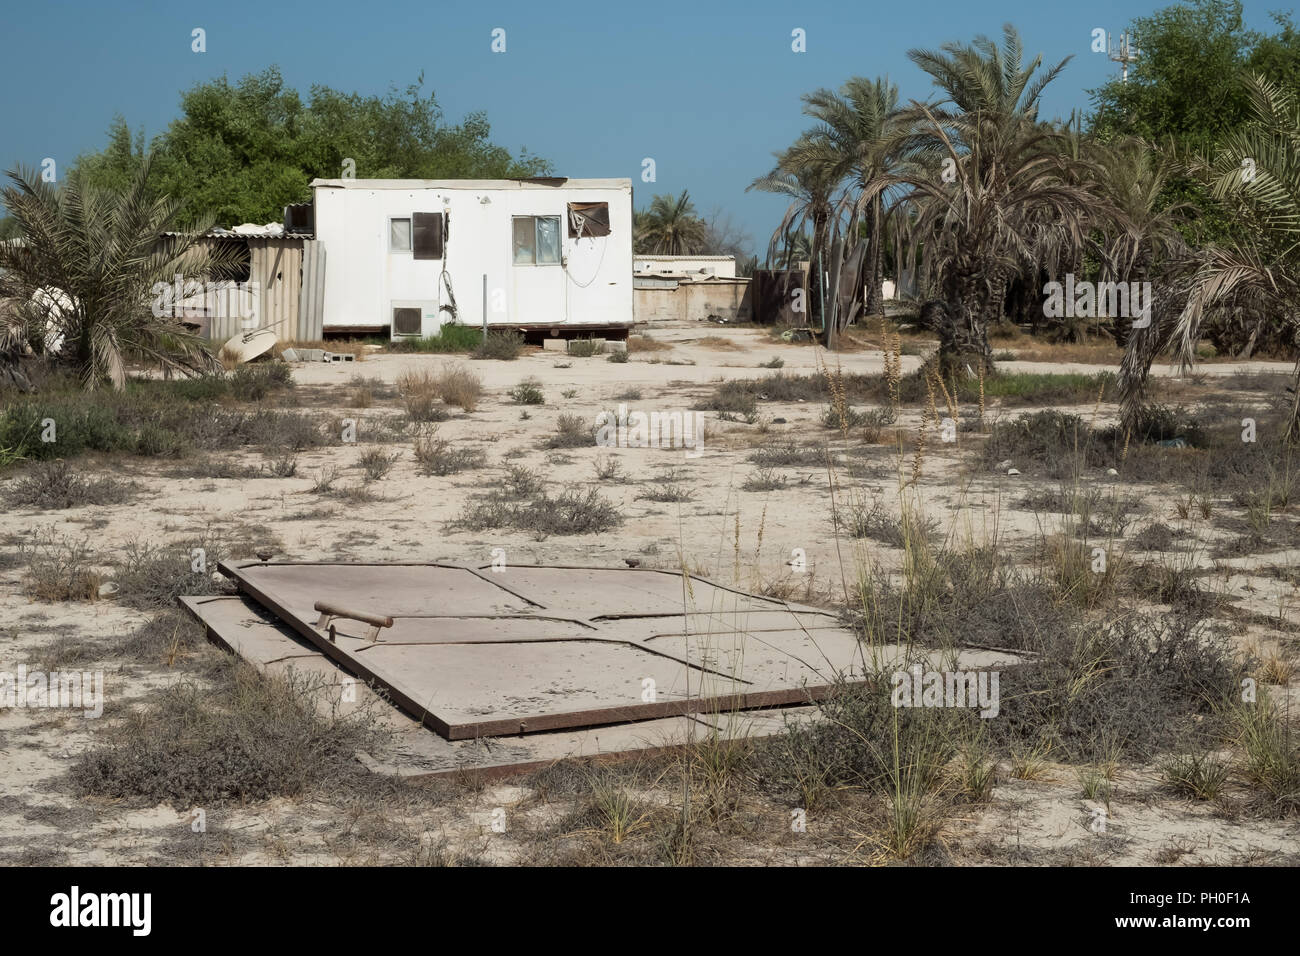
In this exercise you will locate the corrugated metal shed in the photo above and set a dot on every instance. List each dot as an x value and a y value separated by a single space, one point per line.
275 265
221 316
276 272
311 300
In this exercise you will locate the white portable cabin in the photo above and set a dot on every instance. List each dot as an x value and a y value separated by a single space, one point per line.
413 254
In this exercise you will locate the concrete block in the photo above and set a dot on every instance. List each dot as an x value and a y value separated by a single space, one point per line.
555 345
615 346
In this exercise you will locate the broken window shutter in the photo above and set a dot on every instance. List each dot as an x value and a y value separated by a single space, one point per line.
426 235
588 219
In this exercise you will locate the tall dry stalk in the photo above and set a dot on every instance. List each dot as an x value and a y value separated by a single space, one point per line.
930 416
949 398
839 396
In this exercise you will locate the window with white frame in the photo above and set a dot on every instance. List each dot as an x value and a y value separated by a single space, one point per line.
536 240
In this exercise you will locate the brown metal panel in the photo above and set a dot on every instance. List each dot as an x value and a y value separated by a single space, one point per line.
588 219
772 297
239 625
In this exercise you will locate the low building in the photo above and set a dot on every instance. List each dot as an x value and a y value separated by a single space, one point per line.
277 285
549 257
690 288
723 267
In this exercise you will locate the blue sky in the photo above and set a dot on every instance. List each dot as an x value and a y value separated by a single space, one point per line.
709 90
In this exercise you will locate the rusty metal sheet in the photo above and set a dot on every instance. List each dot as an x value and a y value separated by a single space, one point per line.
238 623
477 653
623 592
403 590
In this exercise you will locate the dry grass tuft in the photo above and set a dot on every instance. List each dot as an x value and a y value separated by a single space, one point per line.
646 343
59 568
460 385
720 343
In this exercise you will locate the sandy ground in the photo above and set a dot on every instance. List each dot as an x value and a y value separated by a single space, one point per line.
725 532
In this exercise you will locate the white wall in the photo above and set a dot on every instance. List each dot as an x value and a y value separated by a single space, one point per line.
363 280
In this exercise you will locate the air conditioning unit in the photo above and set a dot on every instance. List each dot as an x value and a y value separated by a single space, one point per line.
406 320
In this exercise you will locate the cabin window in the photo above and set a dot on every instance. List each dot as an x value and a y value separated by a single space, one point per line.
588 219
536 240
399 235
427 235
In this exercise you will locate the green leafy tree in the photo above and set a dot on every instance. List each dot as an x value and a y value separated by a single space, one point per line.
1185 93
1185 83
1255 173
240 152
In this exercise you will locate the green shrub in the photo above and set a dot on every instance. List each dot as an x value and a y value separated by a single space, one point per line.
450 338
528 392
502 345
570 512
571 431
253 382
152 418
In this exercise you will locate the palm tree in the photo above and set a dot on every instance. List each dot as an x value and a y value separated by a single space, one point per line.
796 247
1256 172
670 227
990 186
94 257
13 340
810 188
1140 242
852 141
